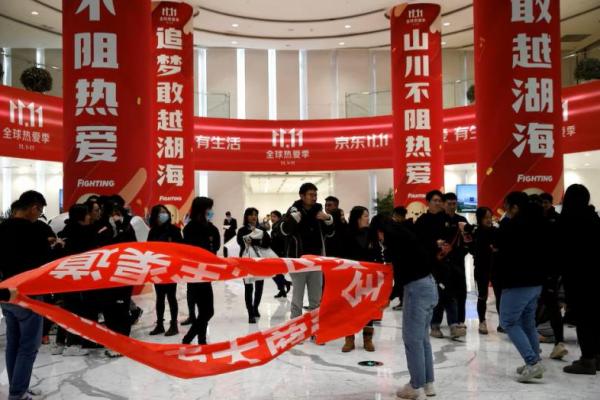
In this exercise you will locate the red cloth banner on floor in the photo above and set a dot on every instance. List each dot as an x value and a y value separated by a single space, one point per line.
518 86
418 155
172 176
107 90
30 125
355 293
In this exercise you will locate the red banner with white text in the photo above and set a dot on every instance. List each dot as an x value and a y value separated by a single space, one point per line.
107 90
518 86
172 175
356 292
418 155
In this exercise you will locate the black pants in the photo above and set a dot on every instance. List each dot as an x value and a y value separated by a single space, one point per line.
585 312
200 298
549 301
398 289
72 302
482 278
170 292
447 302
460 293
280 281
115 308
253 303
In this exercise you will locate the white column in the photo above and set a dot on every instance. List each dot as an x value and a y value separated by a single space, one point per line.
7 65
373 83
241 83
372 193
6 184
40 177
335 85
201 83
303 84
201 183
272 79
40 58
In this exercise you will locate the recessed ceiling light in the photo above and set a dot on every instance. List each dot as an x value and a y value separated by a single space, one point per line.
446 23
341 43
235 25
234 42
35 13
458 81
443 43
347 26
587 164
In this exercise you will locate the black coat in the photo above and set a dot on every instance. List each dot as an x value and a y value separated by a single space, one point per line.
278 239
78 238
307 236
357 246
334 245
202 234
230 233
265 242
482 250
407 253
165 233
429 229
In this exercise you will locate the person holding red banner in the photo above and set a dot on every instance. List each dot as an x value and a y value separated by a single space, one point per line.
408 254
305 226
202 233
163 230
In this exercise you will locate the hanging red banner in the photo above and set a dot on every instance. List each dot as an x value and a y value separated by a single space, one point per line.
107 99
418 157
518 81
173 113
30 125
355 293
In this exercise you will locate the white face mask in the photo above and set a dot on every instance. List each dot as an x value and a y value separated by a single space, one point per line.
163 218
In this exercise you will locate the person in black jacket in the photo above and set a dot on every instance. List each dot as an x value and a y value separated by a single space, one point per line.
399 215
578 238
23 247
334 245
230 225
162 230
408 253
438 238
305 226
481 248
358 246
523 248
202 233
252 237
278 246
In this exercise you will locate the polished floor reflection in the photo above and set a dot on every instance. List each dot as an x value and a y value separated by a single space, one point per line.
480 367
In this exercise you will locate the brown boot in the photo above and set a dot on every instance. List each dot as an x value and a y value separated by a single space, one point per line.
368 338
349 344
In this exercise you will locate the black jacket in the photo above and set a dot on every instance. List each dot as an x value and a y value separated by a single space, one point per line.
265 242
308 235
524 246
482 251
278 239
334 245
165 233
121 232
204 235
230 233
429 229
24 246
78 238
407 253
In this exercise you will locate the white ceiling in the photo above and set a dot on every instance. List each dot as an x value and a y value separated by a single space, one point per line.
282 183
288 24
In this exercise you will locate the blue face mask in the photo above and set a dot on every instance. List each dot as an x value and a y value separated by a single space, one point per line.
209 215
163 218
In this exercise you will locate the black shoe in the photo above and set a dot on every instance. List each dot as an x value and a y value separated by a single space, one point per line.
582 367
158 330
136 315
202 341
188 321
501 329
281 295
251 320
187 339
256 313
288 285
173 330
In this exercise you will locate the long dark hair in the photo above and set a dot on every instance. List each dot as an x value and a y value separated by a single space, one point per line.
249 211
480 214
355 215
153 221
575 202
199 207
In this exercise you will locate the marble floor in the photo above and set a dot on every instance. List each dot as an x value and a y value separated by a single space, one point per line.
480 367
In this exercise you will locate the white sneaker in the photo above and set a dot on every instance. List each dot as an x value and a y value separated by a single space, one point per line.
75 351
112 354
559 352
34 392
429 389
410 393
532 371
56 350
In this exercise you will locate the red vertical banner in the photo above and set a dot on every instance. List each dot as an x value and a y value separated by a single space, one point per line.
418 157
518 85
107 99
173 112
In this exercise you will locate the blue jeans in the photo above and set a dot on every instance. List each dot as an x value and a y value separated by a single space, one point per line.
517 317
420 298
23 339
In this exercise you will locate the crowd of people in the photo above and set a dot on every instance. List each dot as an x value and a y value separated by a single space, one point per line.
530 257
